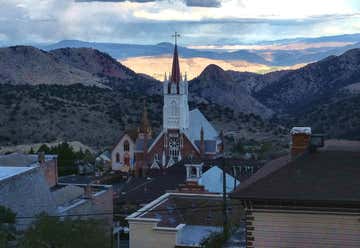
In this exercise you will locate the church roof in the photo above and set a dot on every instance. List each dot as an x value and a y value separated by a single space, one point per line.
139 144
175 71
210 145
198 120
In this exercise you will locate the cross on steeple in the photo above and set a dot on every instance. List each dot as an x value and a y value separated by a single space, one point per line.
176 35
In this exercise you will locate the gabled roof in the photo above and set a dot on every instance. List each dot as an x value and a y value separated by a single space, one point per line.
325 176
198 120
212 180
18 159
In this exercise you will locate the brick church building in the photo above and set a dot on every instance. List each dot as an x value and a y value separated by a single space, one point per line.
185 133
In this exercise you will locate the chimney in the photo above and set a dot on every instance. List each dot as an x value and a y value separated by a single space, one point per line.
41 157
300 140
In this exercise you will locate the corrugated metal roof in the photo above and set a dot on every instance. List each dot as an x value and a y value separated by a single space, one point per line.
198 120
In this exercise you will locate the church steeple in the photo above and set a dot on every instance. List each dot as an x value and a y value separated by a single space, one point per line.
145 125
175 71
176 107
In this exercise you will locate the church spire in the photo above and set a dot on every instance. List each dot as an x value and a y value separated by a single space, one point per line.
175 71
145 126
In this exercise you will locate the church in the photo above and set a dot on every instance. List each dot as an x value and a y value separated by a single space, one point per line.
185 134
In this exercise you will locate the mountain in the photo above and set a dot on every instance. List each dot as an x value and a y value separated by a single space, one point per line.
68 66
287 52
321 80
94 62
217 86
339 117
29 65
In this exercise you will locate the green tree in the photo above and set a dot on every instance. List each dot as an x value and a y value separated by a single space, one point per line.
31 151
44 148
7 226
69 233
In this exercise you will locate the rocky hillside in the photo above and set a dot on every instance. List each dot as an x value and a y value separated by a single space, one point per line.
220 87
313 83
29 65
98 116
323 95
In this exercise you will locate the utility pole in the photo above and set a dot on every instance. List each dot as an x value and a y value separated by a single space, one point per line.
225 217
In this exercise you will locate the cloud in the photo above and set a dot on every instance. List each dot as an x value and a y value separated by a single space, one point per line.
203 3
189 3
150 21
114 1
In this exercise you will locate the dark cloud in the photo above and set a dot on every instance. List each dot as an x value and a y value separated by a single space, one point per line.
203 3
190 3
114 1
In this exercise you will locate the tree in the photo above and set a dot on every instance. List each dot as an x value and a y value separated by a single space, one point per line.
69 233
31 151
44 148
7 225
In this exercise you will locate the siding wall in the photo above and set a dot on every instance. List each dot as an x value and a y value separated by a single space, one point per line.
296 229
142 235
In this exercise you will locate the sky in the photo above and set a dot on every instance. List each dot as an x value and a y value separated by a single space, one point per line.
200 22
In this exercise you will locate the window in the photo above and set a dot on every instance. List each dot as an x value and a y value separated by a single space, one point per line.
126 146
193 172
174 146
117 158
174 110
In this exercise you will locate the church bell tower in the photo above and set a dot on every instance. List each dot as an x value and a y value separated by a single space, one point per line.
175 88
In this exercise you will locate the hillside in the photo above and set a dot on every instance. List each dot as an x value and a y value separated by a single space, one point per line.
217 86
97 117
32 66
29 65
313 83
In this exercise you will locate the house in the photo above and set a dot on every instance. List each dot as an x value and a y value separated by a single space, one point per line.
183 218
308 199
91 201
26 192
29 186
122 154
103 161
185 134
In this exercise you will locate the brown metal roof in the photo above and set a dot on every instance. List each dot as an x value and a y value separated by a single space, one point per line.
326 176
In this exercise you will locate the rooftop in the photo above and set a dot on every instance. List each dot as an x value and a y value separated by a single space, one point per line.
174 209
198 120
8 172
22 160
323 176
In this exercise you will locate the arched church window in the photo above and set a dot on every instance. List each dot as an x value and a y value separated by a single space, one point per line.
174 111
117 158
126 146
